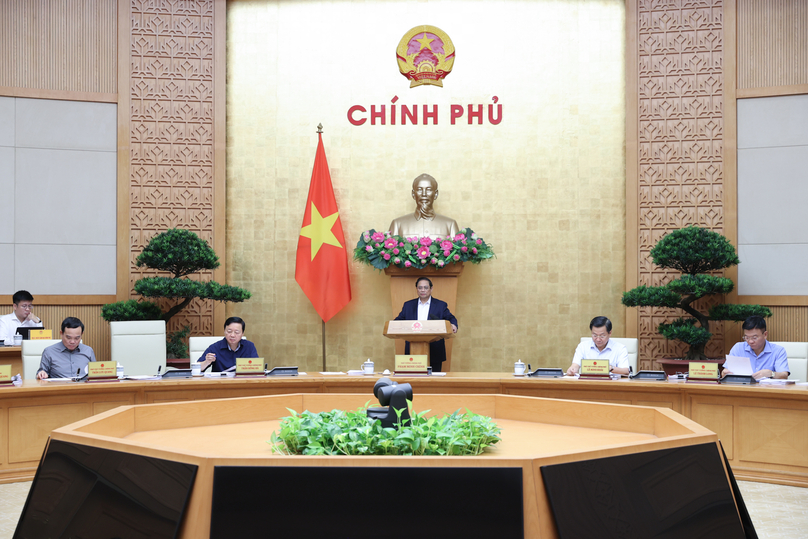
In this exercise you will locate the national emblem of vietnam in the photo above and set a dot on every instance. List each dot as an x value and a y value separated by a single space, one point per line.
425 55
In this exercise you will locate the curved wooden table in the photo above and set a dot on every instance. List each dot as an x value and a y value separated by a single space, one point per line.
761 428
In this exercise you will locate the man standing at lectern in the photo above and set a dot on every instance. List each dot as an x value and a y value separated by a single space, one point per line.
425 307
600 346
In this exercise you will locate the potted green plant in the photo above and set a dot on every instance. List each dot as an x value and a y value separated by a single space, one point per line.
696 253
179 253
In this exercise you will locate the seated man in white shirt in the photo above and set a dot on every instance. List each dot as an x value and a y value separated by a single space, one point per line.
23 315
600 346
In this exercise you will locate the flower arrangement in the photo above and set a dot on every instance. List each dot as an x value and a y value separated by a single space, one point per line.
382 249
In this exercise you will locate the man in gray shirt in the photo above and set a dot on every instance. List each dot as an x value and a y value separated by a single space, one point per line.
66 358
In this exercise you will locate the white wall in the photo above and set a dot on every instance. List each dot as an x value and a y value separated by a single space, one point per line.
57 196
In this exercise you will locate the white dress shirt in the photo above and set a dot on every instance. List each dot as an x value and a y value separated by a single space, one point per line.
615 352
9 324
423 308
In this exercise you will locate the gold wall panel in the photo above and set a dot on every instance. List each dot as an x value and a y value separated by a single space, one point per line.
96 329
545 186
786 324
675 94
64 45
172 128
30 426
772 43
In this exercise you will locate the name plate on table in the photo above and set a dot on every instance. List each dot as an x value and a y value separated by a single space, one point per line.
411 364
5 374
595 368
102 371
40 334
704 373
414 327
249 366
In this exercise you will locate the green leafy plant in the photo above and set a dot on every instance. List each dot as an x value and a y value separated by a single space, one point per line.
352 433
693 251
175 343
179 253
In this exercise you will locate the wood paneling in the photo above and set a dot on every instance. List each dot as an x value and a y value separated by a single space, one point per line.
781 436
674 89
30 426
717 418
772 43
171 131
59 45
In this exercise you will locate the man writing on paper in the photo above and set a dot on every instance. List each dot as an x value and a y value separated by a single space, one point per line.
23 315
425 307
768 360
600 346
64 359
222 354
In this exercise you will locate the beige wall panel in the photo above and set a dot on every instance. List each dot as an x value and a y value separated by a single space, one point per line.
772 43
774 436
29 426
545 186
677 91
96 330
717 418
65 45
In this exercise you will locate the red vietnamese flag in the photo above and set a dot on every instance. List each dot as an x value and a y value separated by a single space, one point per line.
322 260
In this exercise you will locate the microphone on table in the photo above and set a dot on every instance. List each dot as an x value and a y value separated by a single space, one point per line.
158 369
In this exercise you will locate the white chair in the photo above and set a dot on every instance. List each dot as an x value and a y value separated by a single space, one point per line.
140 346
32 356
197 345
797 353
632 346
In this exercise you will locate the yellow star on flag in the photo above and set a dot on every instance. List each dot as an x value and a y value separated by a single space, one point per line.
319 231
425 42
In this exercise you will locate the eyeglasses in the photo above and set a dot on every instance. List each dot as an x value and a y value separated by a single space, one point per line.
599 337
422 287
752 338
26 306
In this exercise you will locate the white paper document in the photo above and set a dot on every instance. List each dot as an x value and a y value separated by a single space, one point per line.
738 365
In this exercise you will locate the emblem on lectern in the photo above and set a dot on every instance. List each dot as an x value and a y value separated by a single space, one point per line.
425 55
417 326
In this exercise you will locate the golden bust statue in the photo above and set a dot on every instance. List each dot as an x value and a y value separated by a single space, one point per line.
424 222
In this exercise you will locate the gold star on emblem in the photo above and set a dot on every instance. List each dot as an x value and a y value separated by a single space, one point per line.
319 231
425 42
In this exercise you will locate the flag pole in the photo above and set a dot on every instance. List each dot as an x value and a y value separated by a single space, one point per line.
319 132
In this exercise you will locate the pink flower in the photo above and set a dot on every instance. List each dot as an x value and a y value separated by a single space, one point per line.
407 264
378 245
446 245
389 243
474 250
366 238
423 252
395 251
433 261
397 261
369 249
386 256
460 237
479 241
463 242
378 236
401 244
426 241
456 257
464 249
447 253
440 263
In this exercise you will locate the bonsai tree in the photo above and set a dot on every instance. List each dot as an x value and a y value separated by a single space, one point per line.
695 252
179 253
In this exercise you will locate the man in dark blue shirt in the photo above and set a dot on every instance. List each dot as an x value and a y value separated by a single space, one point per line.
222 354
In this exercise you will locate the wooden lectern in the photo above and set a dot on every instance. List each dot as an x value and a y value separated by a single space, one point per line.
419 333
